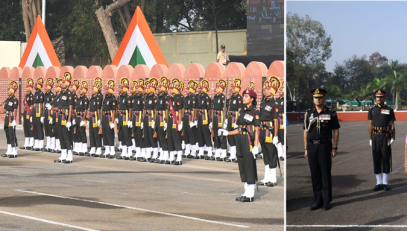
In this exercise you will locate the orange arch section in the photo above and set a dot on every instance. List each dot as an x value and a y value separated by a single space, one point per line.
276 68
64 69
158 70
176 70
125 71
40 72
16 72
194 71
256 71
110 72
53 72
141 71
213 72
80 72
235 70
93 72
5 73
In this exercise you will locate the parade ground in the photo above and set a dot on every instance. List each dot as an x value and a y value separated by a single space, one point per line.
355 206
109 194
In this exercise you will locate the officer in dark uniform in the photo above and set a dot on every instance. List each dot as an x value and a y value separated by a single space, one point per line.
202 118
80 119
10 109
108 118
148 121
64 120
189 110
234 104
26 117
268 133
47 114
161 120
218 103
382 134
76 146
247 141
37 118
137 117
174 120
281 122
319 124
124 111
56 127
95 106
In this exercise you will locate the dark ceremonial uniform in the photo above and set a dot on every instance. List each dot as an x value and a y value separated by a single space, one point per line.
36 114
10 105
81 107
109 107
189 136
74 127
203 110
160 120
319 148
381 115
95 104
124 106
137 103
56 124
218 103
269 111
233 104
280 102
148 131
66 100
247 120
48 114
174 136
29 100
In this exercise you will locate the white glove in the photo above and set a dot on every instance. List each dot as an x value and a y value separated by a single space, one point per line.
153 124
165 127
223 132
192 124
82 123
50 121
73 121
68 125
117 120
48 106
236 126
370 142
142 125
130 124
225 124
13 123
42 120
210 126
275 140
111 125
31 119
391 143
98 123
255 151
22 119
180 126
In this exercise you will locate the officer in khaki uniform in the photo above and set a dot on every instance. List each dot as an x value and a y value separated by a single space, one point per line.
382 134
320 123
222 57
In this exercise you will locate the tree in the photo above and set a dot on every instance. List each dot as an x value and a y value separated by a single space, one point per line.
333 92
396 79
376 60
11 27
30 10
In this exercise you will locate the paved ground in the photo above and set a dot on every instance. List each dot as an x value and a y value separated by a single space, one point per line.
355 205
102 194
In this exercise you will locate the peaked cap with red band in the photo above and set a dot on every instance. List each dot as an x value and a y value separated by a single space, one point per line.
319 92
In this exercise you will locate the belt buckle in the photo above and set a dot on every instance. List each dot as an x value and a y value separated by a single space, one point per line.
317 142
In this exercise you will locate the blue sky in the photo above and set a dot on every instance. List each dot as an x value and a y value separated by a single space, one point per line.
359 28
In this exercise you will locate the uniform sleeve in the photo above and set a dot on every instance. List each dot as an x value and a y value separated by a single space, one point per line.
369 114
86 103
180 103
306 120
129 105
256 121
70 100
240 102
194 102
154 102
114 104
15 104
42 97
392 116
208 102
276 110
335 122
218 57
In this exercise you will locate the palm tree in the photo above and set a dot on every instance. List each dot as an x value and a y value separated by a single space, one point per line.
333 91
395 80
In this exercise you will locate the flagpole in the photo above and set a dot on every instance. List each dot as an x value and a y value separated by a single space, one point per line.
43 11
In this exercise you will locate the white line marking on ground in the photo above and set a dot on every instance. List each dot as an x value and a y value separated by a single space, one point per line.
46 221
135 208
192 193
347 226
394 172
